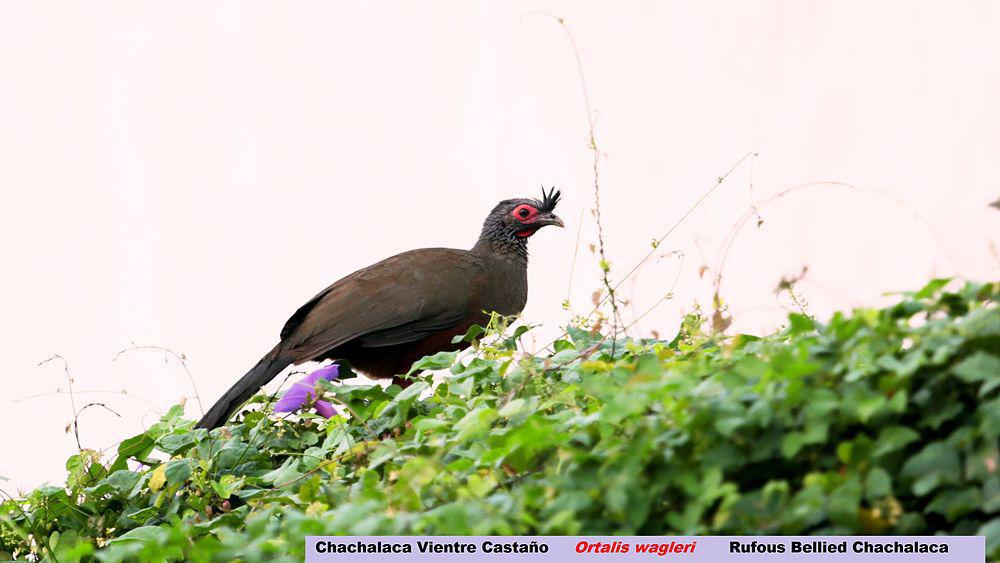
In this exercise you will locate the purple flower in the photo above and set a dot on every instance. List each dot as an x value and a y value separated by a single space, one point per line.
307 389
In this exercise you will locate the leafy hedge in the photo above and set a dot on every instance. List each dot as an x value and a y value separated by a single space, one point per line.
880 421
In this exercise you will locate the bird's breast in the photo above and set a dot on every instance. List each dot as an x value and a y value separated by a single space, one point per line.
504 286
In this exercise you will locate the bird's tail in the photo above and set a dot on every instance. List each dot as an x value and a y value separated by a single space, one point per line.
265 370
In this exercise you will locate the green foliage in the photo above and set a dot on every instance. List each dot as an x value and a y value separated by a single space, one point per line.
881 421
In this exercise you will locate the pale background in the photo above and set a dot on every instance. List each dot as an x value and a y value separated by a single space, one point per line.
187 174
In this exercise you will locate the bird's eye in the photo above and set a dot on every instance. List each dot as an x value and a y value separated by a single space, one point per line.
523 211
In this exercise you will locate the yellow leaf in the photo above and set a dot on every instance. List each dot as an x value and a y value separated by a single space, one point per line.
596 365
158 478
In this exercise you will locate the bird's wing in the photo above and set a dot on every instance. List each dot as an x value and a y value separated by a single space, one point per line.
412 331
398 300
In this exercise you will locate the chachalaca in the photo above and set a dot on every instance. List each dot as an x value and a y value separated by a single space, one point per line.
384 317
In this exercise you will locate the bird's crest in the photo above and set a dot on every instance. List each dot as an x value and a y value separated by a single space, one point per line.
550 200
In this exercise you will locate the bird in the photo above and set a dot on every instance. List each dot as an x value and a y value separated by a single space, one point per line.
382 318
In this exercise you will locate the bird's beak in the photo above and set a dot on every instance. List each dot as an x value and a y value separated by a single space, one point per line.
549 219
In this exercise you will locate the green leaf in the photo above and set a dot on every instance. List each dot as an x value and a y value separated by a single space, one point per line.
894 438
411 392
799 323
441 360
868 406
142 534
475 424
519 409
955 503
932 288
143 514
792 443
177 471
560 345
936 464
287 473
979 367
428 424
470 336
991 530
844 502
991 494
135 447
989 414
176 443
878 484
120 482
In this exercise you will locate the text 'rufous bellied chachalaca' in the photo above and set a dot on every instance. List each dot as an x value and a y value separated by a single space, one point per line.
384 317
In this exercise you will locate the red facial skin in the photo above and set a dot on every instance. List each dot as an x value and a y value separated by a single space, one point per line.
526 218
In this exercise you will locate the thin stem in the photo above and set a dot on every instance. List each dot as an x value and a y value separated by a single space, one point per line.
72 397
181 359
616 320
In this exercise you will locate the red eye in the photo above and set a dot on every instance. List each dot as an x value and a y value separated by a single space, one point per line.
524 212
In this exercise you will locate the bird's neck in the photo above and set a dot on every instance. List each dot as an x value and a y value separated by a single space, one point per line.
512 248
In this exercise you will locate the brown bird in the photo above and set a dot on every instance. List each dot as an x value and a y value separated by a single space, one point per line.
384 317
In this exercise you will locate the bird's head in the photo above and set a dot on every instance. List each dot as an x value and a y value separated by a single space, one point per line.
513 221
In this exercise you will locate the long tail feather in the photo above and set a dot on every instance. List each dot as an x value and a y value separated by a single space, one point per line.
265 370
